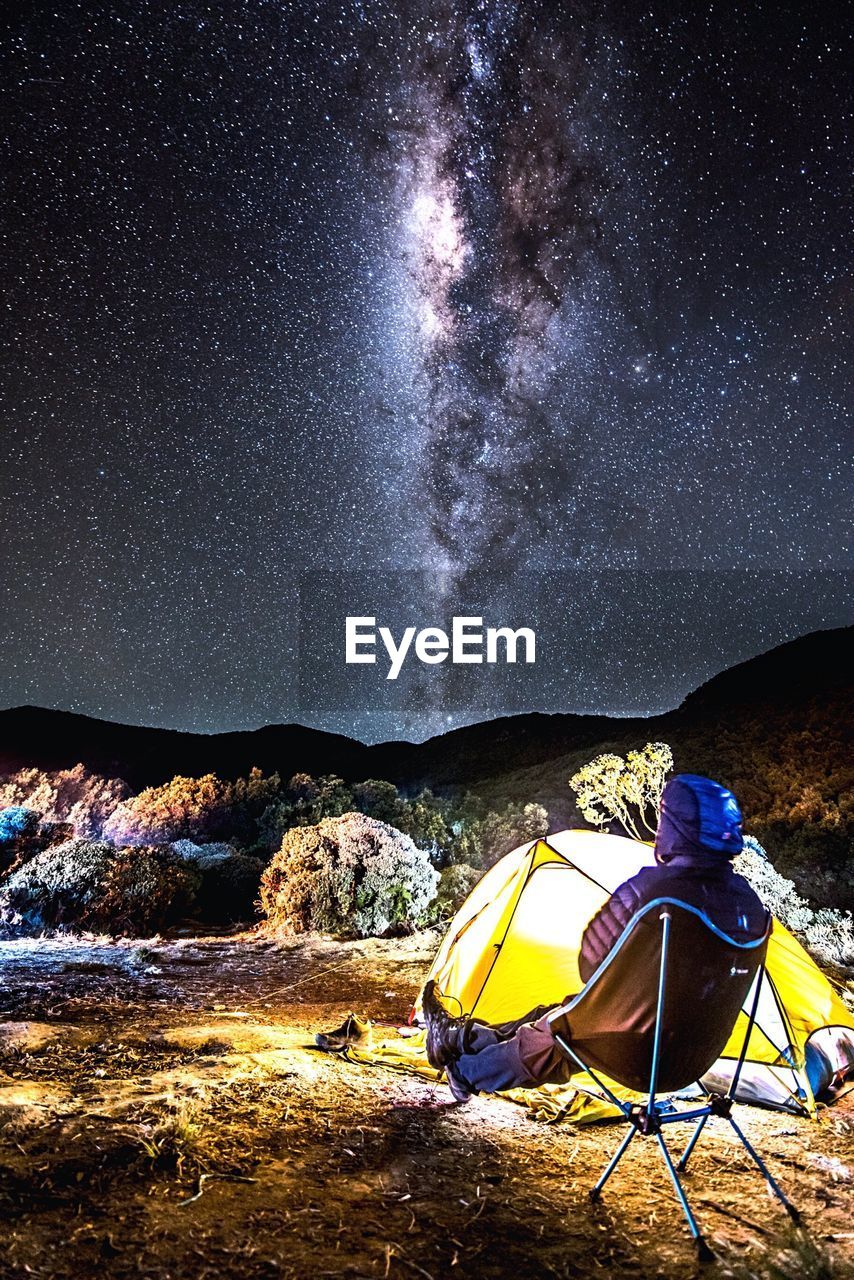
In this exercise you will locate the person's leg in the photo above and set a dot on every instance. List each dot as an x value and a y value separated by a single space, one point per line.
526 1058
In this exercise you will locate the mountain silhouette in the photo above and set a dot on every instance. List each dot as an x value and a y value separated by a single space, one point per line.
809 677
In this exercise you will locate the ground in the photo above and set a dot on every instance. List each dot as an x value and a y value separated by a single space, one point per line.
163 1113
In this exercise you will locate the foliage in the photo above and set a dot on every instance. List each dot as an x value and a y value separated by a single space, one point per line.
305 801
351 875
17 821
627 791
826 933
75 796
230 880
481 841
455 884
459 829
91 885
23 835
192 808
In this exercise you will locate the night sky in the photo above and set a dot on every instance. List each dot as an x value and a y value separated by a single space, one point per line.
529 310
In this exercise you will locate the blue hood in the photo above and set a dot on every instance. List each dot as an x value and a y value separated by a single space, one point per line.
697 817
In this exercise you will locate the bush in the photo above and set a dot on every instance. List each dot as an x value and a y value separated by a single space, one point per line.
75 796
23 835
352 875
17 821
455 885
481 841
826 933
230 880
91 885
192 808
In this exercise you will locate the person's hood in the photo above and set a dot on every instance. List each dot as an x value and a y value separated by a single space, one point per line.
697 818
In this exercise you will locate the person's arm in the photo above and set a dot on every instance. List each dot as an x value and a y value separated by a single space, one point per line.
607 925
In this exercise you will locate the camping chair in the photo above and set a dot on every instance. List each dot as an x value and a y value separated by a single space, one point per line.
653 1018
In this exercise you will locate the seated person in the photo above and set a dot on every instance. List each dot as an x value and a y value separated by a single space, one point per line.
699 832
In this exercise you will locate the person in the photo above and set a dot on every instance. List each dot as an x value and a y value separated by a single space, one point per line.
699 832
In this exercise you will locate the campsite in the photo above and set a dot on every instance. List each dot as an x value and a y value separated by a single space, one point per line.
166 1114
167 959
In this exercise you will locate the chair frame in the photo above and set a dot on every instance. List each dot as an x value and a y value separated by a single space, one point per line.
648 1118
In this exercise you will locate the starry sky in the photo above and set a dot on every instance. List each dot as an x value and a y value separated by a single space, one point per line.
533 311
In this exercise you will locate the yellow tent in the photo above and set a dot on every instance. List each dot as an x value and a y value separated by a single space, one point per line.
514 944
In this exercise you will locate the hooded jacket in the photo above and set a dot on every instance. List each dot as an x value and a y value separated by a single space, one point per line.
699 832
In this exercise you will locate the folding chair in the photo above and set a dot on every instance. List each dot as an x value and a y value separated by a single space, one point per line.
654 1017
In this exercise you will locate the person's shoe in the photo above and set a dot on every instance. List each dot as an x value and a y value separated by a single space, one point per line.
353 1030
444 1033
457 1085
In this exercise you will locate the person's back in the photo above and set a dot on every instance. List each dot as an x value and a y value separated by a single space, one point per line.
699 832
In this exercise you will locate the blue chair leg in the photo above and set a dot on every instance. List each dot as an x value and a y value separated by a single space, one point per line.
596 1191
686 1154
703 1251
760 1164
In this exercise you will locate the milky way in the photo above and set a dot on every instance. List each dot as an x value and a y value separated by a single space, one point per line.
536 311
504 196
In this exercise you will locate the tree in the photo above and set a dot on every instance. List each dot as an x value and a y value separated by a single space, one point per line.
628 791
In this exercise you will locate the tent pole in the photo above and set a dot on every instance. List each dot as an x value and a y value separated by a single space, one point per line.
733 1085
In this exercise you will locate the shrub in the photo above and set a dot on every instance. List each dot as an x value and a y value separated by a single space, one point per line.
455 884
481 841
351 875
230 880
192 808
75 796
23 835
16 821
827 934
91 885
628 791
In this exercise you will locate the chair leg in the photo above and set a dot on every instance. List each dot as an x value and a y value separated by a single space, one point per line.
596 1191
761 1166
703 1251
682 1163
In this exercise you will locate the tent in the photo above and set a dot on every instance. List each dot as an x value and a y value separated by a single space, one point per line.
514 944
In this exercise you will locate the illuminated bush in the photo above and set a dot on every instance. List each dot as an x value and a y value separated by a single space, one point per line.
351 876
826 933
192 808
628 791
16 821
305 801
75 796
90 885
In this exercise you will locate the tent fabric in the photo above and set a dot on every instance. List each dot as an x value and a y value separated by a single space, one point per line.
514 944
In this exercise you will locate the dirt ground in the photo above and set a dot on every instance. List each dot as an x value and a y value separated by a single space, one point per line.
163 1113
